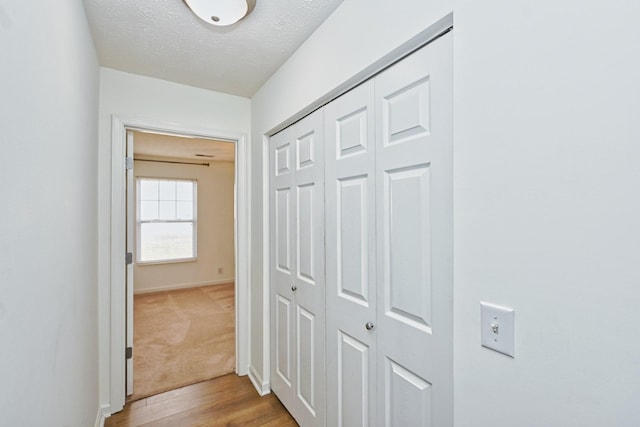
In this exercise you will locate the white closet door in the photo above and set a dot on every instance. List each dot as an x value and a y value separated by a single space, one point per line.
297 269
350 258
414 238
309 280
281 204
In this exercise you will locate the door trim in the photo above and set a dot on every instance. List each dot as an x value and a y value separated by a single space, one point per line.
117 312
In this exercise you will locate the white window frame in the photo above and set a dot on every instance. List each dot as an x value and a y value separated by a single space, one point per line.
139 222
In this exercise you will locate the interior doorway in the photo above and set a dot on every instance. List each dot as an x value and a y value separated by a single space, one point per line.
180 281
118 293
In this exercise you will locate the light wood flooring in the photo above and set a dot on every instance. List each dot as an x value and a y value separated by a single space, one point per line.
224 401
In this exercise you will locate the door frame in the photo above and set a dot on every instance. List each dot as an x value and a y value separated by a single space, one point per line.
117 310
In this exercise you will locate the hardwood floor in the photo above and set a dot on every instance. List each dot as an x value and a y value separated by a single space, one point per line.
229 400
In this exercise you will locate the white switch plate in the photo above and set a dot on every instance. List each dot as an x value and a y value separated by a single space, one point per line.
497 328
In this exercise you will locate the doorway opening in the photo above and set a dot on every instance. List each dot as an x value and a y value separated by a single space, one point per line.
118 328
180 233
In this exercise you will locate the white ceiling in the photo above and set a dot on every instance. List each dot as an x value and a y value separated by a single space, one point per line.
155 145
164 39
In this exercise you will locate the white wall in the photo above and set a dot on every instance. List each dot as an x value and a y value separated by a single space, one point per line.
214 227
546 208
48 221
546 136
138 97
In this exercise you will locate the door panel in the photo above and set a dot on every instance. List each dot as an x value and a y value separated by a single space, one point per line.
283 339
283 227
306 387
308 135
305 236
414 220
352 240
353 376
306 148
282 157
350 257
351 132
281 204
408 400
406 112
297 272
407 284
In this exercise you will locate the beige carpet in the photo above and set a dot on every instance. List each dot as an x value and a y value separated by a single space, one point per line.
182 337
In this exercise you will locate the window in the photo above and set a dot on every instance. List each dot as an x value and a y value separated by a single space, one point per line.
166 220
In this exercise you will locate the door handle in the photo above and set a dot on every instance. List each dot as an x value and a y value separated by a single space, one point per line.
369 326
294 288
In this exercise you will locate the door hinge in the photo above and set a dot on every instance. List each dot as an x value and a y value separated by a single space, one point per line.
128 353
128 163
129 258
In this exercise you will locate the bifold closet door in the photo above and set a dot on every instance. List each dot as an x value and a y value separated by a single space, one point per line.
282 265
351 284
389 246
414 215
297 269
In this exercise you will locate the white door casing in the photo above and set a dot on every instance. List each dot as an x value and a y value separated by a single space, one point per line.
350 257
114 353
297 269
414 214
130 250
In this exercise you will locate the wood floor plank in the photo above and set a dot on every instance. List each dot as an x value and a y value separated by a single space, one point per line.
225 401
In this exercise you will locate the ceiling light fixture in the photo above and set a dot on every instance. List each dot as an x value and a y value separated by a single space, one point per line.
221 12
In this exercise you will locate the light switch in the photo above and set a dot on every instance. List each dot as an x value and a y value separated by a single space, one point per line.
497 328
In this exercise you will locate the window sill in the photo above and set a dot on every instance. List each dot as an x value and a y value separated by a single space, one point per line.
166 261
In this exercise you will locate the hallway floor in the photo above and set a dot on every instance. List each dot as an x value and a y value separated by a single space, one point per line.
229 400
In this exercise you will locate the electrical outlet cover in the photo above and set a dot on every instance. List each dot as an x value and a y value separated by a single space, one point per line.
497 328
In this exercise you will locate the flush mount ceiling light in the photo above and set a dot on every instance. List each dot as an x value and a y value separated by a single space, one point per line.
221 12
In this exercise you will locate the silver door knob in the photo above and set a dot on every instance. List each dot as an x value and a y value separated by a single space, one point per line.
294 288
369 326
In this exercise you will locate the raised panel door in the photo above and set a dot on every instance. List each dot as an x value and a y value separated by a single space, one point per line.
350 258
282 264
296 206
309 280
414 214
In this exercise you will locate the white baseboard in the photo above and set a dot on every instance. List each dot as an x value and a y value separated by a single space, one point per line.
101 416
262 387
183 286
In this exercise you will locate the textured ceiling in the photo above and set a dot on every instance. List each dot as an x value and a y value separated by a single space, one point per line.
164 39
151 144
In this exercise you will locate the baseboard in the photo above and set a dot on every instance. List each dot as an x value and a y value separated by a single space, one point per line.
184 286
101 416
261 386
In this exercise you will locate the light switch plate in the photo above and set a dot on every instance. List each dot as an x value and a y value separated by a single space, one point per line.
497 328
